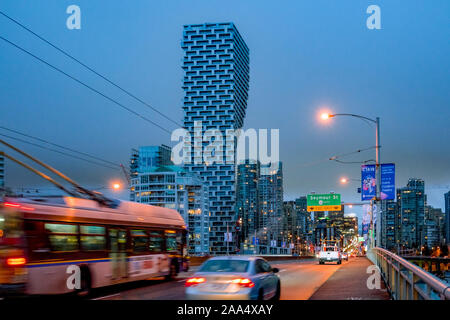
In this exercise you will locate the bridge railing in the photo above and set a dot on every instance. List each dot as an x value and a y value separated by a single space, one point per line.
407 281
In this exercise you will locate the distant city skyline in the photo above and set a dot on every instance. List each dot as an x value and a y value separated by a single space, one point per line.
311 57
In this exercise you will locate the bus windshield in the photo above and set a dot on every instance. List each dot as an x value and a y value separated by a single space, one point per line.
10 227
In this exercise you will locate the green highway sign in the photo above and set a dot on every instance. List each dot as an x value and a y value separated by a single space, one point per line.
323 202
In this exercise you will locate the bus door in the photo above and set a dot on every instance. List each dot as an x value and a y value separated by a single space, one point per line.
12 248
118 253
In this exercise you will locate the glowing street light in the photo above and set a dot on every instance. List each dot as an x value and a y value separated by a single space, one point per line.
116 186
345 180
326 116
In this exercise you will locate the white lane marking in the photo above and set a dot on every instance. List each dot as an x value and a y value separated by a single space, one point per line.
105 297
282 270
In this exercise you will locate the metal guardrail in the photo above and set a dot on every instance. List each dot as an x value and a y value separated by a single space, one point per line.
438 266
407 281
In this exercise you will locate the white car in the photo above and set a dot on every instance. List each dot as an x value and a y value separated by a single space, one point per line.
345 256
330 254
243 278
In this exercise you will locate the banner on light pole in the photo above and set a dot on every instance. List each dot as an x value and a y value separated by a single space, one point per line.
387 181
369 185
368 182
228 237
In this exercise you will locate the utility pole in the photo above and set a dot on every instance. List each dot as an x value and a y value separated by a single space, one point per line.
378 185
255 243
226 238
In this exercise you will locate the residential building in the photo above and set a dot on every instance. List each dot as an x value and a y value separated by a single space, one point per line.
148 157
216 82
323 231
411 201
431 234
270 198
350 229
247 205
290 224
447 217
388 224
304 220
336 220
172 187
434 220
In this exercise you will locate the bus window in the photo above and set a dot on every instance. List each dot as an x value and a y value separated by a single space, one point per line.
63 237
10 228
37 241
139 239
184 235
171 241
155 241
92 238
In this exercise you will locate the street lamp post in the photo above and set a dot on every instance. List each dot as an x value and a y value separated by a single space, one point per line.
376 121
378 186
227 239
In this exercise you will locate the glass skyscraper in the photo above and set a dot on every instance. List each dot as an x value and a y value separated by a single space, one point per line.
304 219
216 81
270 195
247 204
148 157
389 214
411 202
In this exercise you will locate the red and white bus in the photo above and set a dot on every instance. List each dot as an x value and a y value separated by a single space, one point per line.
41 239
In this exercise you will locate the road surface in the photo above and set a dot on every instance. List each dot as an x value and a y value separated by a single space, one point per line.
299 281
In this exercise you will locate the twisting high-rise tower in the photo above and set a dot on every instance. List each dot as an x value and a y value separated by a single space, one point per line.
216 81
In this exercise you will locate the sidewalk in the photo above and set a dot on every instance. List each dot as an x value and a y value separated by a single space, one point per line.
349 282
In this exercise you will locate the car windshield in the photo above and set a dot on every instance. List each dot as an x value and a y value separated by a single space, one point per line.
225 266
329 249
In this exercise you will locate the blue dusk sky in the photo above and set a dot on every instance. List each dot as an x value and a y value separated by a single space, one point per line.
305 56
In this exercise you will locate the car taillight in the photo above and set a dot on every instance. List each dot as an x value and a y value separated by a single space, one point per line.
194 281
11 205
243 282
16 262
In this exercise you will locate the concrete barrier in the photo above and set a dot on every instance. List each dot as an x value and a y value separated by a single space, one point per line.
196 261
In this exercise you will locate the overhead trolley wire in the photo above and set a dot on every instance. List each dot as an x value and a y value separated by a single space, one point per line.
84 84
60 152
90 69
60 146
